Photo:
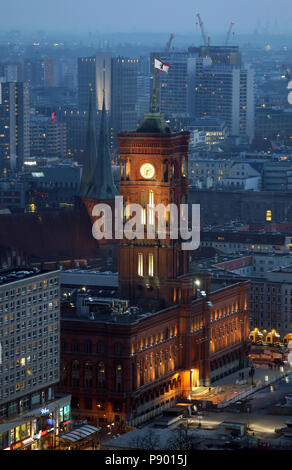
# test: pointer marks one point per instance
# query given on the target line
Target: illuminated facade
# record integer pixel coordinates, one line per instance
(94, 73)
(30, 351)
(227, 92)
(179, 331)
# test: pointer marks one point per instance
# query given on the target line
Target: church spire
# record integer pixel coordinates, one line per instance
(97, 179)
(103, 176)
(91, 151)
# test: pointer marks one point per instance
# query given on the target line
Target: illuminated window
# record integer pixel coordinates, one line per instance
(101, 375)
(269, 216)
(151, 207)
(150, 265)
(123, 168)
(143, 216)
(183, 167)
(140, 264)
(118, 378)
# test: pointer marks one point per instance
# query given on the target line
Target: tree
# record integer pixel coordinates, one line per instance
(148, 440)
(182, 440)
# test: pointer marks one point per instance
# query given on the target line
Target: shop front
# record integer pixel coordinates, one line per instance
(38, 429)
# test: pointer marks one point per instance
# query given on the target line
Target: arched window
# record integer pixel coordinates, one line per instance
(88, 347)
(165, 171)
(183, 167)
(172, 171)
(170, 364)
(75, 374)
(118, 349)
(151, 220)
(119, 378)
(151, 366)
(101, 375)
(156, 366)
(160, 364)
(100, 348)
(88, 374)
(140, 264)
(145, 370)
(128, 169)
(150, 265)
(123, 169)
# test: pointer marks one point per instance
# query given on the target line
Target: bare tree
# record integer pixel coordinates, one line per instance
(148, 440)
(182, 440)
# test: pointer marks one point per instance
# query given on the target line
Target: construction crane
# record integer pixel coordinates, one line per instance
(228, 33)
(202, 29)
(168, 44)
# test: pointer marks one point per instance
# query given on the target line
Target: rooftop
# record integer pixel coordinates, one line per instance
(153, 123)
(283, 269)
(11, 275)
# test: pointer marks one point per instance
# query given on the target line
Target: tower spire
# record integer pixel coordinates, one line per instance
(153, 121)
(103, 186)
(154, 100)
(91, 151)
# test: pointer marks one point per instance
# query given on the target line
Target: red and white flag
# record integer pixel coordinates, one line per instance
(158, 65)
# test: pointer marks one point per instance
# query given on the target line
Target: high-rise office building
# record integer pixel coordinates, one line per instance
(94, 73)
(86, 80)
(10, 72)
(124, 75)
(143, 86)
(226, 92)
(47, 137)
(29, 368)
(39, 72)
(220, 55)
(76, 122)
(207, 81)
(173, 87)
(14, 125)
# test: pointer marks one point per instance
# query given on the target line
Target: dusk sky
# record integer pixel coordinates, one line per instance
(150, 15)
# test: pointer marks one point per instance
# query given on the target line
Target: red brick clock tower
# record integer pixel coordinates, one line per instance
(154, 166)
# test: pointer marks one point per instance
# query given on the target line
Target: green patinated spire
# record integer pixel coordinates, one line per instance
(153, 121)
(154, 100)
(103, 172)
(102, 184)
(91, 151)
(97, 177)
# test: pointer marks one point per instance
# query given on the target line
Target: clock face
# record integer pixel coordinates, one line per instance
(147, 171)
